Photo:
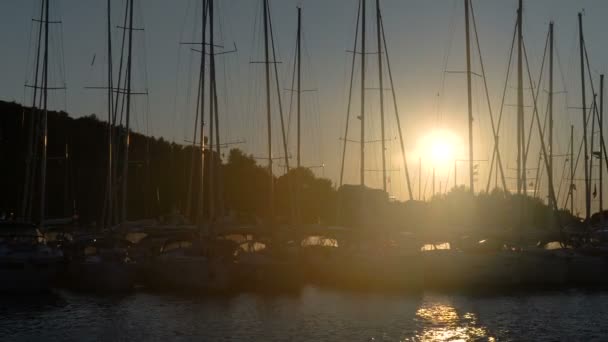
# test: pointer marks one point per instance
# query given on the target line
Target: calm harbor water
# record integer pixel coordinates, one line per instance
(310, 315)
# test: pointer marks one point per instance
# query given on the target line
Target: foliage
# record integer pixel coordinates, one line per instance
(164, 176)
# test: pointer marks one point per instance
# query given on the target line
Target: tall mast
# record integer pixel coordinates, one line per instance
(592, 142)
(521, 164)
(201, 213)
(584, 113)
(420, 178)
(350, 95)
(455, 174)
(550, 173)
(381, 85)
(125, 167)
(299, 90)
(571, 192)
(362, 117)
(397, 120)
(107, 214)
(268, 115)
(433, 195)
(212, 161)
(45, 83)
(601, 155)
(28, 184)
(469, 97)
(217, 165)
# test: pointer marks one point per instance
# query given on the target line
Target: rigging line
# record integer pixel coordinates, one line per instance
(445, 61)
(540, 77)
(293, 78)
(539, 170)
(63, 71)
(487, 92)
(388, 65)
(426, 182)
(312, 106)
(29, 50)
(589, 73)
(315, 106)
(502, 103)
(31, 146)
(595, 104)
(177, 73)
(293, 209)
(146, 110)
(350, 93)
(540, 133)
(276, 74)
(580, 148)
(561, 181)
(593, 116)
(561, 71)
(120, 69)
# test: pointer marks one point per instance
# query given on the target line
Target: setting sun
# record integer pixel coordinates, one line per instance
(441, 151)
(442, 146)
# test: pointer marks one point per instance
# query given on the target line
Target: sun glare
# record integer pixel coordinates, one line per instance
(441, 151)
(442, 147)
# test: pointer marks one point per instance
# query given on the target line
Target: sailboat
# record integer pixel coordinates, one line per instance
(184, 256)
(364, 257)
(27, 263)
(100, 261)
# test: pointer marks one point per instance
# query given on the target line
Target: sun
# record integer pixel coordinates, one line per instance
(440, 147)
(441, 151)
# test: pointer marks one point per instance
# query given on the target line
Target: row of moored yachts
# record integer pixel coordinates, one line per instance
(175, 256)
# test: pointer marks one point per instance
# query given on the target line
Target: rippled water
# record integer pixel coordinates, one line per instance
(311, 315)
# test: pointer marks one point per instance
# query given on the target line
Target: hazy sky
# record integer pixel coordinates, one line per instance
(422, 35)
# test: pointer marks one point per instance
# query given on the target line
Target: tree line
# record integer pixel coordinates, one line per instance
(165, 177)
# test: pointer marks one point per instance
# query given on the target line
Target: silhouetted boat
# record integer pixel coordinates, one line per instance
(99, 263)
(179, 260)
(27, 264)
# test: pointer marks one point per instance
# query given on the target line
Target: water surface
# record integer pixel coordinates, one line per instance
(310, 315)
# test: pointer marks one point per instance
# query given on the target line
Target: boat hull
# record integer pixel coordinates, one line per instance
(185, 274)
(101, 277)
(27, 277)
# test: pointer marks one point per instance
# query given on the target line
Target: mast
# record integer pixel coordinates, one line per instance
(197, 128)
(299, 90)
(455, 175)
(217, 165)
(201, 95)
(268, 115)
(584, 114)
(381, 85)
(592, 143)
(550, 173)
(350, 95)
(433, 183)
(521, 163)
(362, 117)
(116, 210)
(212, 161)
(420, 178)
(601, 155)
(469, 98)
(28, 184)
(107, 214)
(571, 193)
(45, 126)
(397, 120)
(125, 167)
